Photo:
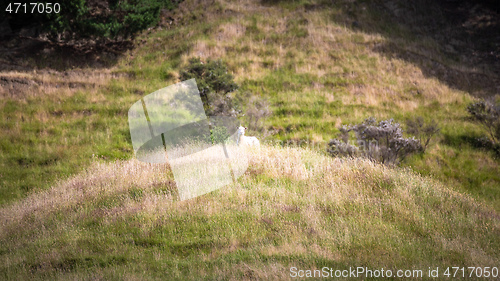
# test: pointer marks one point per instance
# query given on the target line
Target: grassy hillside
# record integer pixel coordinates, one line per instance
(74, 203)
(319, 64)
(293, 207)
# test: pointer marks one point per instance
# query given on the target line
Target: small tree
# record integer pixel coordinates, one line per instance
(424, 132)
(488, 115)
(382, 142)
(214, 83)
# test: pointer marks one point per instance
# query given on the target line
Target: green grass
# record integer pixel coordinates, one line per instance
(317, 73)
(302, 111)
(293, 207)
(50, 138)
(75, 127)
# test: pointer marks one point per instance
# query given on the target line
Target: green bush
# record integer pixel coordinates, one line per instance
(214, 83)
(219, 134)
(108, 18)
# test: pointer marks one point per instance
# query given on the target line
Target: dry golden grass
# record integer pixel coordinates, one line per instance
(291, 204)
(49, 84)
(328, 49)
(99, 180)
(314, 206)
(334, 180)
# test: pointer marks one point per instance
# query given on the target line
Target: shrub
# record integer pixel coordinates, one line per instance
(91, 19)
(219, 134)
(381, 142)
(424, 132)
(257, 108)
(488, 115)
(338, 148)
(214, 83)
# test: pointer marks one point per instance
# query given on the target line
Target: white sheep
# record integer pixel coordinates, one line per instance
(244, 140)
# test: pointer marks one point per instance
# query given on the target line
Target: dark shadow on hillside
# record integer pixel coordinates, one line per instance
(26, 53)
(466, 33)
(92, 33)
(475, 141)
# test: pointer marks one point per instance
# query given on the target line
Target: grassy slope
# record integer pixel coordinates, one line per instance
(317, 74)
(293, 207)
(316, 71)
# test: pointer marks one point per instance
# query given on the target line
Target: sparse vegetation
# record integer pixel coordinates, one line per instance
(488, 115)
(257, 110)
(382, 142)
(424, 132)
